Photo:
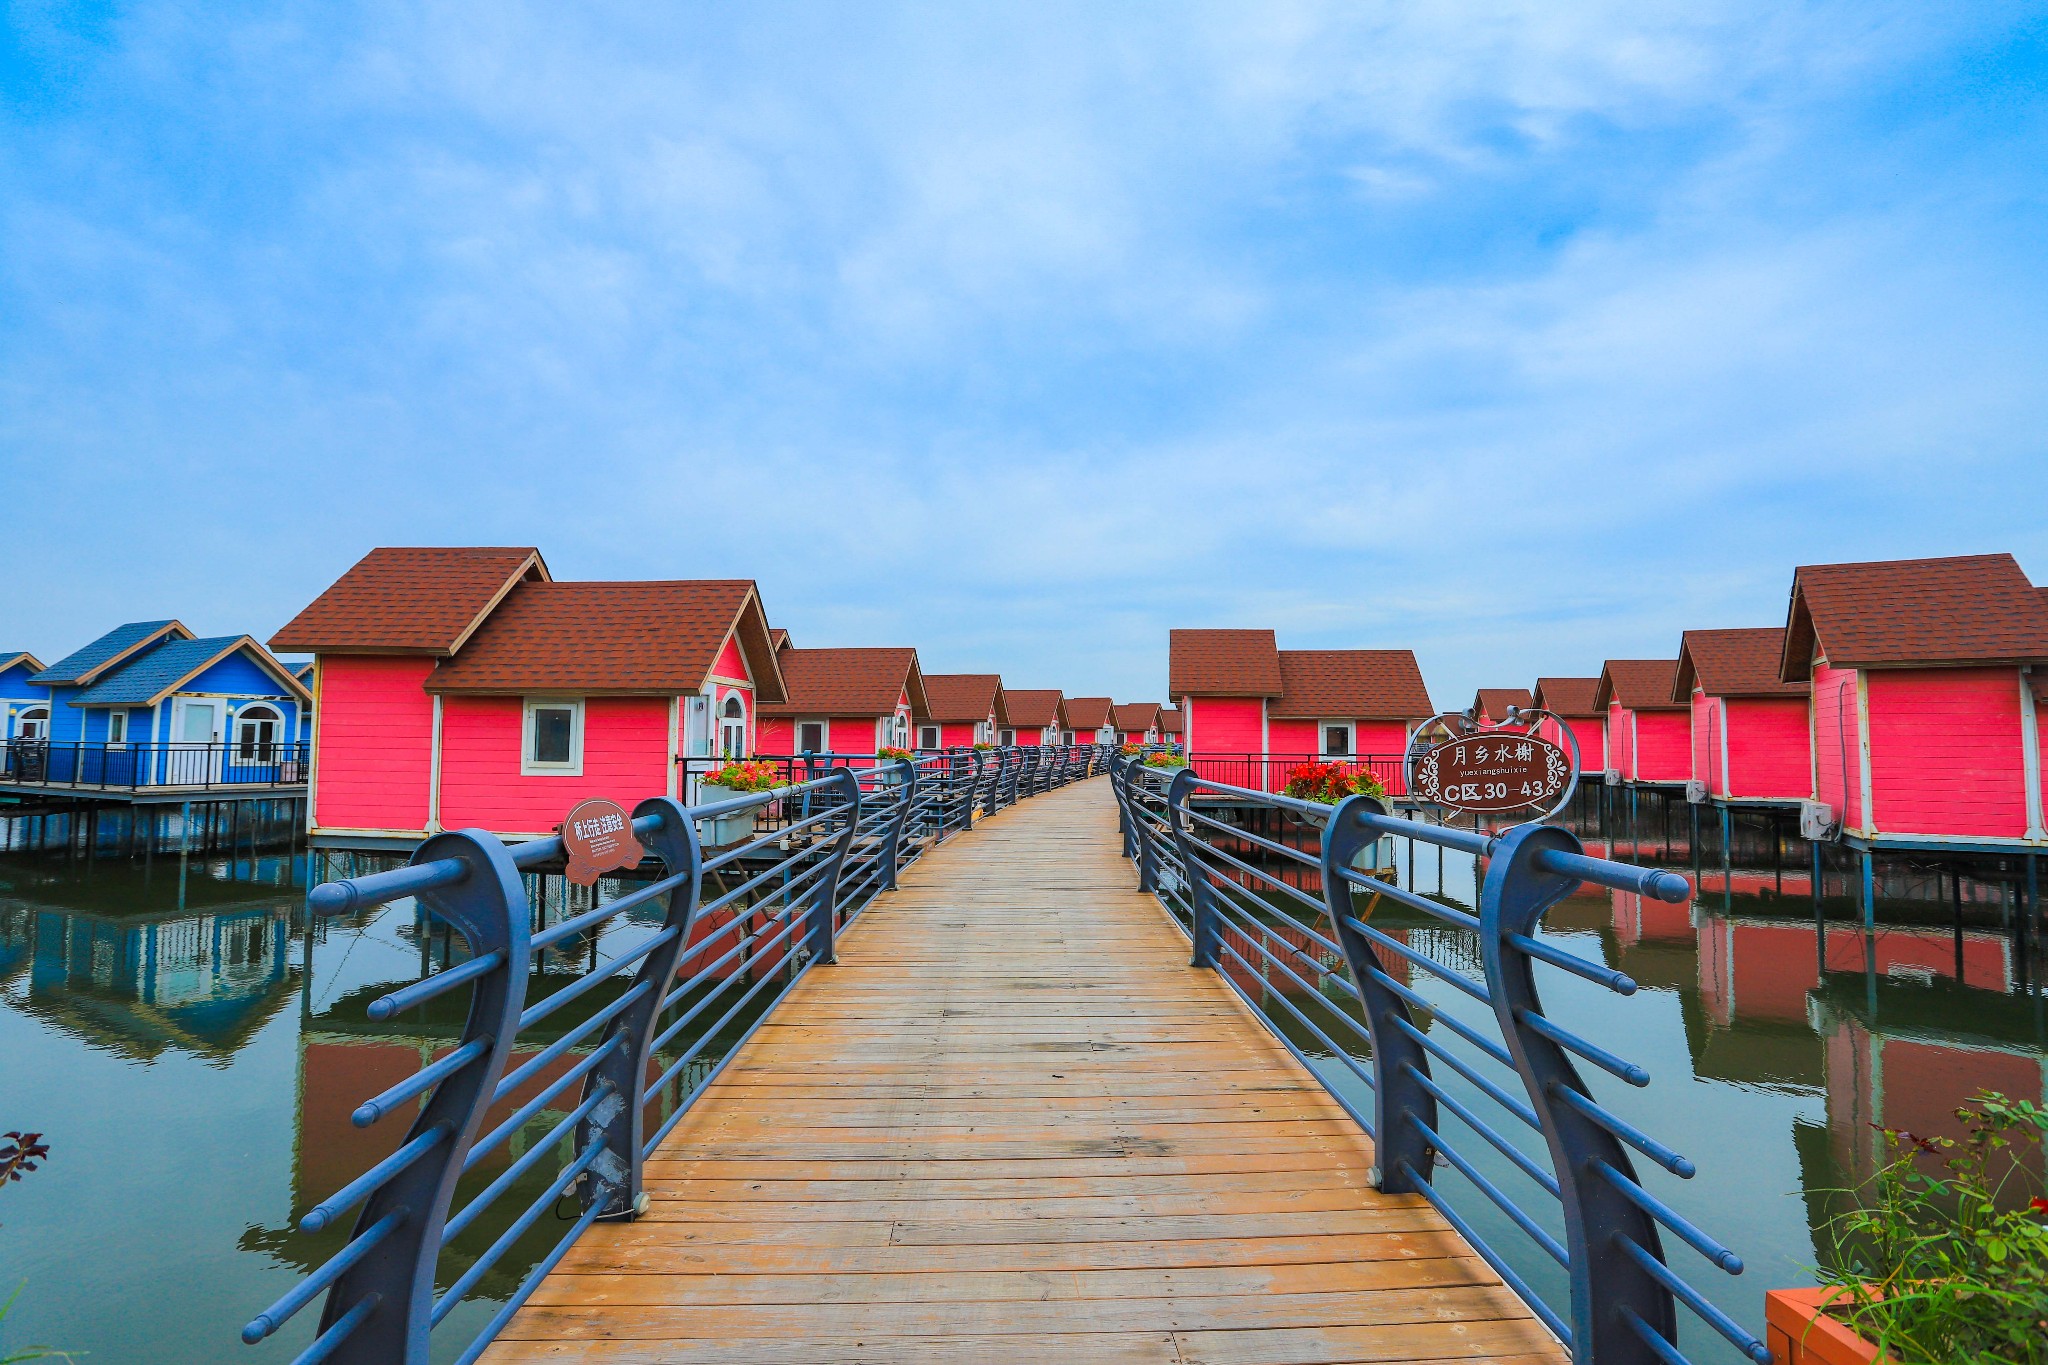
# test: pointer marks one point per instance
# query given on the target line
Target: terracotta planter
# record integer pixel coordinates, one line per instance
(1799, 1333)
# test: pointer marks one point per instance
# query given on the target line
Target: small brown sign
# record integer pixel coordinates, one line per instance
(1493, 771)
(597, 837)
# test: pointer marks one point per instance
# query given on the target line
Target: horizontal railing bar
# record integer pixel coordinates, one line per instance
(569, 928)
(1621, 983)
(376, 1107)
(1514, 1281)
(1447, 1019)
(528, 1159)
(419, 992)
(1514, 1211)
(490, 1141)
(1644, 881)
(1356, 1068)
(541, 1009)
(1365, 1124)
(345, 1198)
(1738, 1336)
(775, 836)
(1654, 1339)
(1620, 1067)
(746, 940)
(511, 1083)
(768, 944)
(690, 1054)
(483, 1263)
(780, 871)
(1688, 1232)
(1464, 1068)
(1449, 914)
(532, 1282)
(310, 1288)
(1304, 897)
(1635, 1137)
(1422, 960)
(326, 1343)
(1271, 845)
(1486, 1130)
(1357, 1026)
(381, 888)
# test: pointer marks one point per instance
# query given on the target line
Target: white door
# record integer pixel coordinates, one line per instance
(198, 732)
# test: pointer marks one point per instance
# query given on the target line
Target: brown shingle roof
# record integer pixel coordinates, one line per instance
(778, 639)
(1136, 716)
(410, 600)
(612, 637)
(1733, 663)
(1171, 721)
(847, 682)
(963, 697)
(1638, 684)
(1495, 701)
(1223, 663)
(1568, 696)
(1971, 609)
(1034, 708)
(1360, 684)
(1087, 714)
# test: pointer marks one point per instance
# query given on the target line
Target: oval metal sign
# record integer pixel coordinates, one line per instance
(597, 837)
(1491, 772)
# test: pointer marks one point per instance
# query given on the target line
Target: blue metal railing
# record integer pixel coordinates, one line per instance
(1268, 889)
(740, 924)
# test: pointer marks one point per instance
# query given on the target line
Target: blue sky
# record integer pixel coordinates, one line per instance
(1524, 335)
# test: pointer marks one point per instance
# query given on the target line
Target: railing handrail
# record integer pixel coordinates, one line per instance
(1624, 1294)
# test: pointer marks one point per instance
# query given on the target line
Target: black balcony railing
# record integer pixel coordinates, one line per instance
(130, 767)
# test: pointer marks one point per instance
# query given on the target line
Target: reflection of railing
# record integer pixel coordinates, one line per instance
(1269, 772)
(153, 764)
(1624, 1294)
(776, 903)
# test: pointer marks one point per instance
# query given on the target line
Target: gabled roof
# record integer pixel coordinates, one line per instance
(1495, 701)
(10, 657)
(599, 638)
(1035, 708)
(303, 672)
(1568, 696)
(149, 678)
(1171, 721)
(778, 639)
(412, 599)
(1733, 663)
(1352, 684)
(1088, 713)
(1223, 663)
(122, 642)
(847, 682)
(963, 697)
(1136, 716)
(1970, 609)
(1638, 684)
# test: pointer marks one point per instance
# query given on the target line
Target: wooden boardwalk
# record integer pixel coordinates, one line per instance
(1012, 1125)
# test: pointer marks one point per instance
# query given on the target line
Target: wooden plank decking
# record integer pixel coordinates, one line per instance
(1012, 1125)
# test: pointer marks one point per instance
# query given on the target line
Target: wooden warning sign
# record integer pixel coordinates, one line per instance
(1493, 771)
(597, 837)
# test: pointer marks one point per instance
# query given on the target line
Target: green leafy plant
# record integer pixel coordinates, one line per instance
(1165, 760)
(747, 775)
(984, 746)
(1951, 1264)
(890, 754)
(1330, 783)
(29, 1352)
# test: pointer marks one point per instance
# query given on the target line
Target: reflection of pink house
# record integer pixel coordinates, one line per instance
(1240, 694)
(1490, 705)
(1036, 716)
(1749, 737)
(1089, 720)
(1573, 699)
(466, 688)
(843, 701)
(1136, 722)
(1763, 969)
(961, 709)
(1648, 735)
(1926, 677)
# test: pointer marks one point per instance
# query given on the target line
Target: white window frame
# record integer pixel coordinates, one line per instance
(938, 734)
(529, 766)
(32, 715)
(1350, 729)
(275, 714)
(824, 734)
(1006, 738)
(119, 741)
(720, 720)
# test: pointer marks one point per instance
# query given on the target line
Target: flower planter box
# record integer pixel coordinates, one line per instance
(736, 828)
(1799, 1333)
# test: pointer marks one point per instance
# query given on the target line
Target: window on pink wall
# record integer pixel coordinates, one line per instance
(732, 727)
(810, 737)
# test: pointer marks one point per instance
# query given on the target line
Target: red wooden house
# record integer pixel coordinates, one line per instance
(1241, 694)
(843, 701)
(1088, 719)
(1037, 716)
(1749, 735)
(464, 687)
(1490, 705)
(1649, 736)
(1573, 699)
(1172, 726)
(1136, 722)
(1926, 676)
(961, 709)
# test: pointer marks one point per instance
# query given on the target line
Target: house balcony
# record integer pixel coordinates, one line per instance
(154, 772)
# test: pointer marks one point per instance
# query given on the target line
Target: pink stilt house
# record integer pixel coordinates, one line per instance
(1927, 676)
(1137, 722)
(1037, 716)
(1172, 727)
(1749, 731)
(961, 709)
(843, 701)
(1649, 736)
(1573, 699)
(1088, 720)
(464, 687)
(1490, 705)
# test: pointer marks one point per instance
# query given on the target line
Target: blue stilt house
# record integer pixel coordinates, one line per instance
(148, 704)
(24, 707)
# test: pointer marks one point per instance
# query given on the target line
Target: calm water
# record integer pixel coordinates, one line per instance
(191, 1053)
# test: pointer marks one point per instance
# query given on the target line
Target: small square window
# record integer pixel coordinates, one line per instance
(1337, 740)
(810, 737)
(1006, 738)
(554, 737)
(927, 736)
(117, 727)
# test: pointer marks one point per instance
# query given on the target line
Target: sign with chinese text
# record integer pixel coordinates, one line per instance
(1491, 772)
(597, 837)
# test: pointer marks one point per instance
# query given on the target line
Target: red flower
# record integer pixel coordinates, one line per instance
(2038, 1204)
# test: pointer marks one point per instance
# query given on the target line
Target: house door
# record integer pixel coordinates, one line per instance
(732, 728)
(198, 729)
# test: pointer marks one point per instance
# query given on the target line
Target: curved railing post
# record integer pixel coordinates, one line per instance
(820, 934)
(488, 908)
(1608, 1283)
(1117, 779)
(1148, 853)
(892, 837)
(1202, 929)
(619, 1124)
(1403, 1108)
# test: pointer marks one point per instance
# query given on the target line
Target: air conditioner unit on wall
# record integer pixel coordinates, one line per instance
(1817, 821)
(1695, 791)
